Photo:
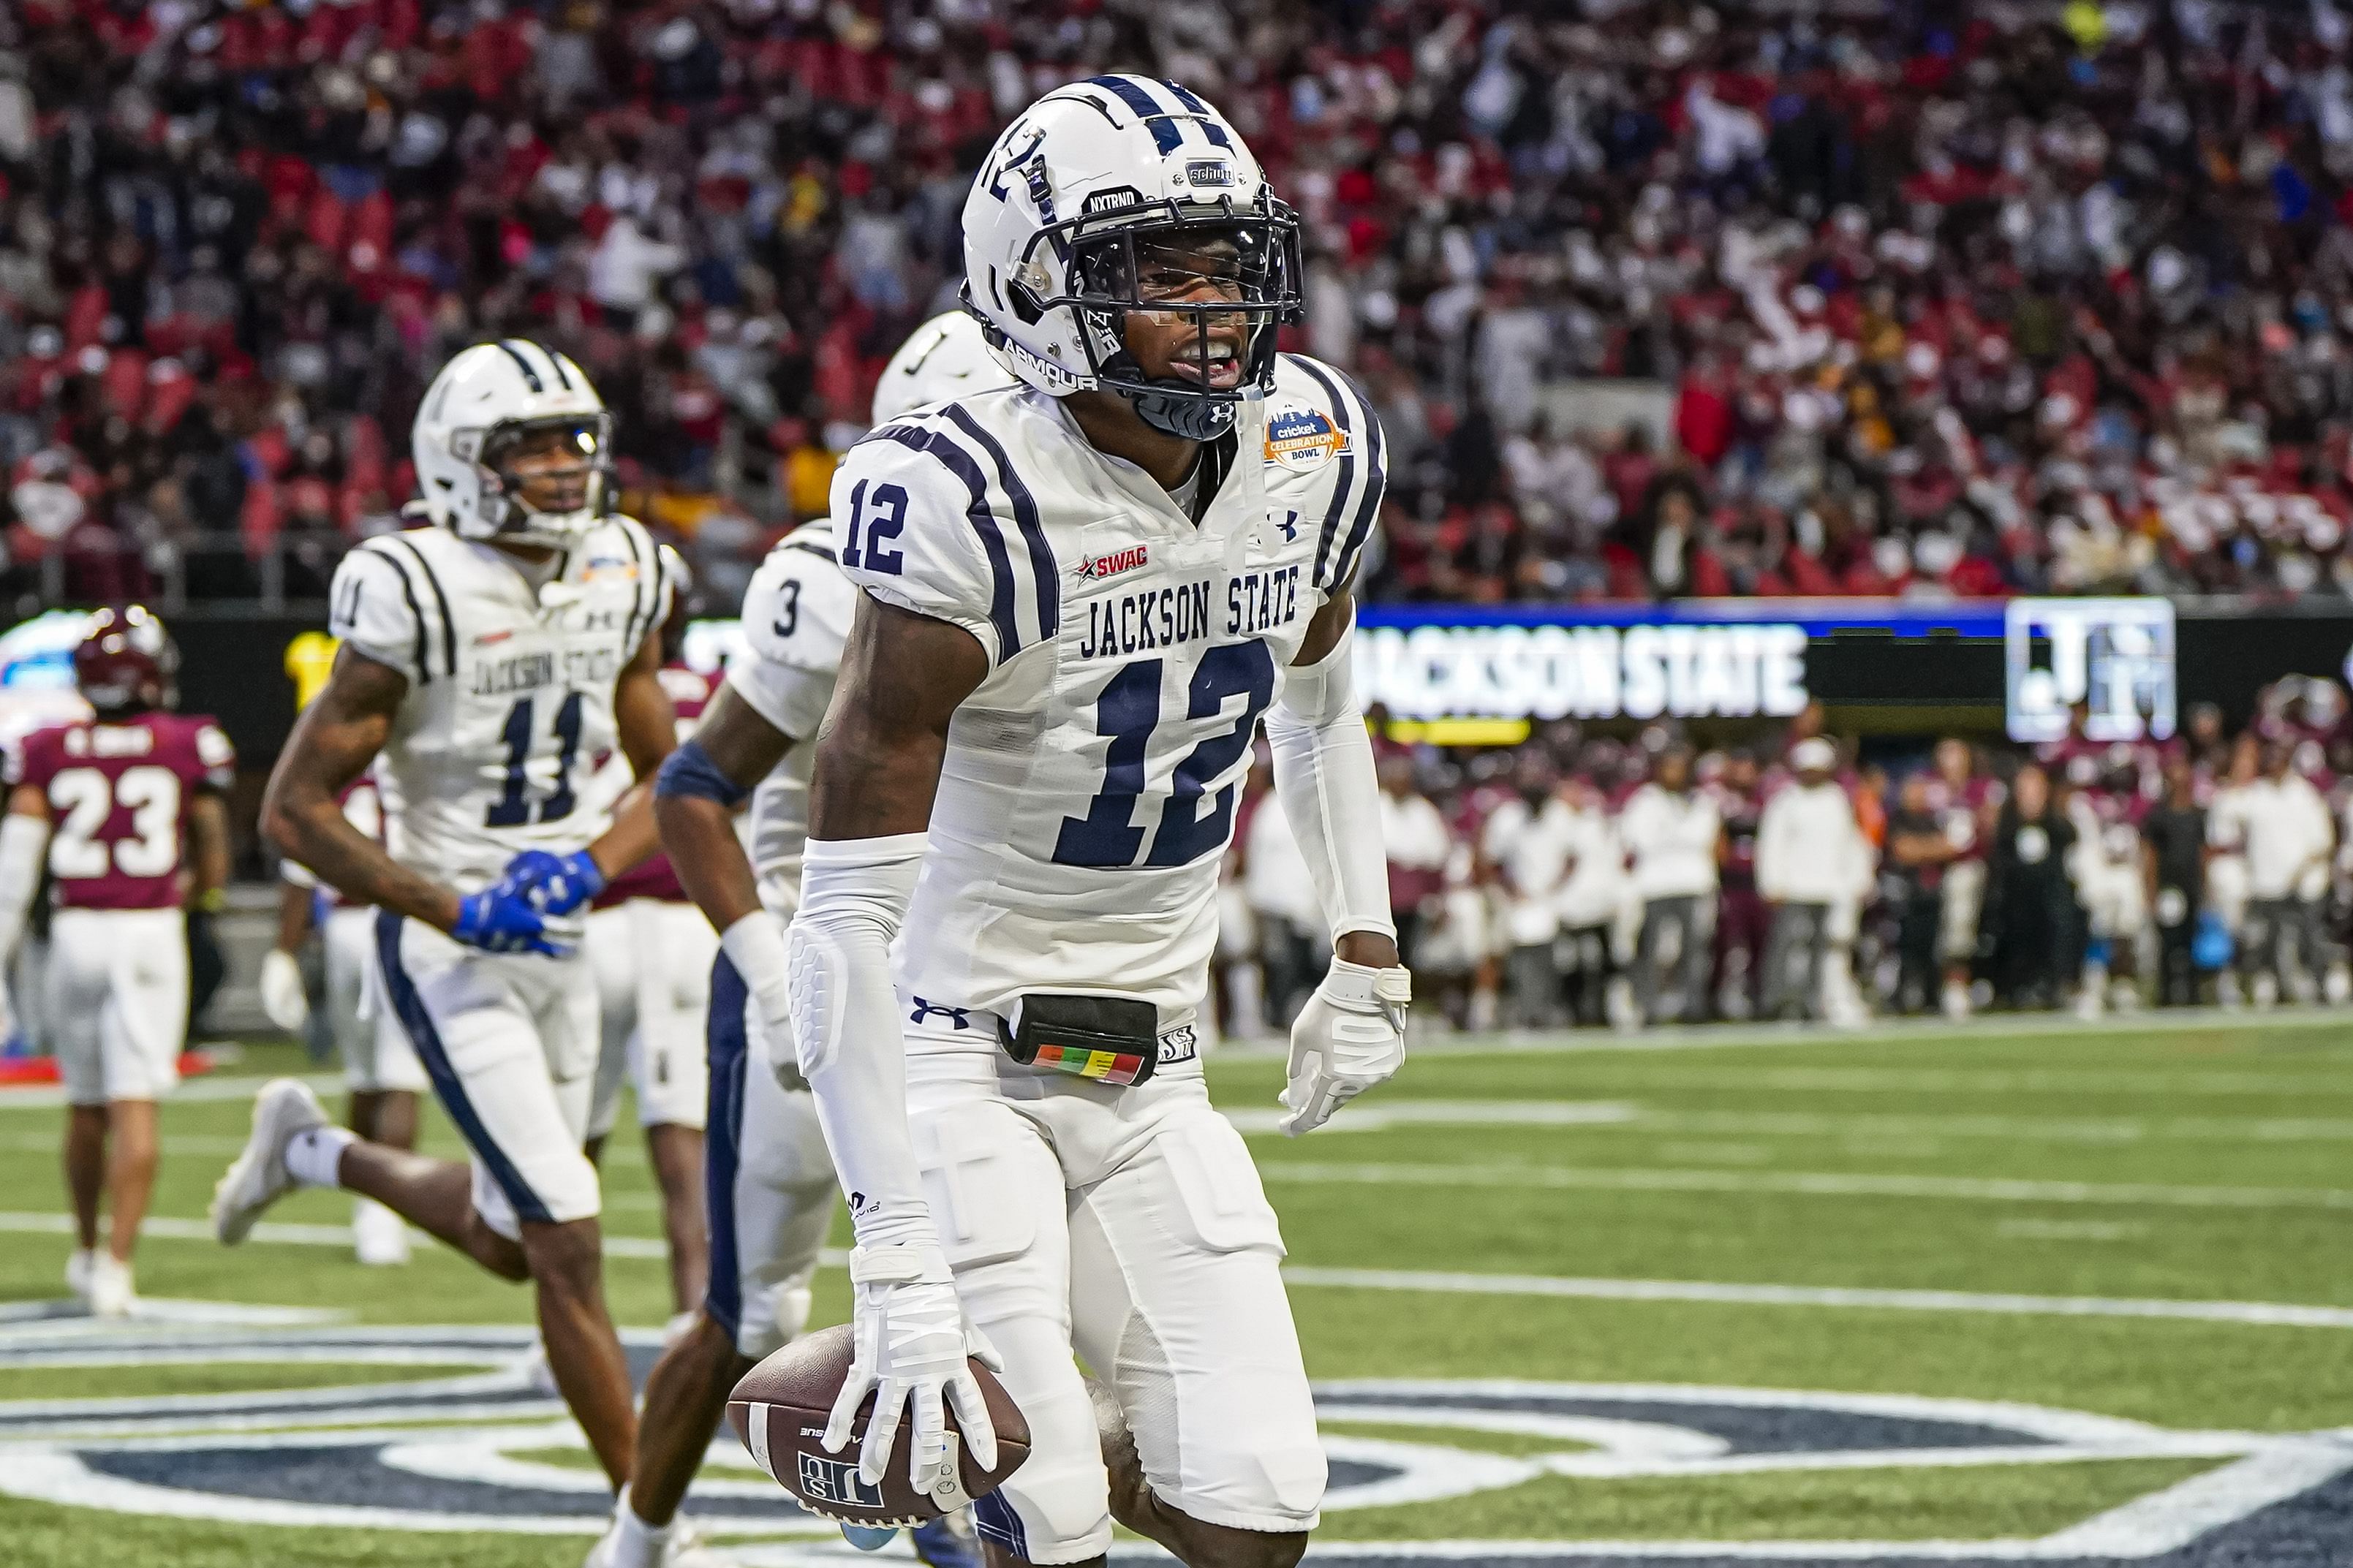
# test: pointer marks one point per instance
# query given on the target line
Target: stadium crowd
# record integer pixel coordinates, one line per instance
(1969, 298)
(1586, 880)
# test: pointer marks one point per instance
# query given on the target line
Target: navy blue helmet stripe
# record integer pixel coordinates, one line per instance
(1342, 485)
(959, 462)
(555, 363)
(530, 375)
(422, 1033)
(1208, 123)
(1164, 129)
(1049, 585)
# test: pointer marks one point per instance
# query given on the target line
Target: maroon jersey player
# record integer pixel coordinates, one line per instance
(123, 809)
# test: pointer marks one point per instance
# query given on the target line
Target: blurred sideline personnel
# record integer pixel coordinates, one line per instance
(487, 659)
(1671, 832)
(1079, 597)
(124, 808)
(1814, 868)
(381, 1072)
(770, 1187)
(651, 950)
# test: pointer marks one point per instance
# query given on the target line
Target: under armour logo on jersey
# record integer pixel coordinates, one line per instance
(1290, 526)
(958, 1018)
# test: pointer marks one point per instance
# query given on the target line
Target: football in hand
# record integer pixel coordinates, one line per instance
(779, 1410)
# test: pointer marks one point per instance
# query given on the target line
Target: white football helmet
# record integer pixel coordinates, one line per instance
(482, 405)
(947, 356)
(1090, 192)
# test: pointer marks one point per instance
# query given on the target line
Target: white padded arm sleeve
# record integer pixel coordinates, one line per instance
(1324, 775)
(24, 843)
(854, 895)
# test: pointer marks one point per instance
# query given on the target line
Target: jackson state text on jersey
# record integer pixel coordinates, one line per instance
(510, 688)
(118, 794)
(1088, 784)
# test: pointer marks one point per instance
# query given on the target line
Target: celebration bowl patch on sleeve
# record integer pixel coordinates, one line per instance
(1302, 439)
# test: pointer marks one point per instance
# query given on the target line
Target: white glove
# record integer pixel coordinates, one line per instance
(1349, 1036)
(912, 1339)
(283, 997)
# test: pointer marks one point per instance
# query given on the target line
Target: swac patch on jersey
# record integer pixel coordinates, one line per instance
(1302, 439)
(1111, 564)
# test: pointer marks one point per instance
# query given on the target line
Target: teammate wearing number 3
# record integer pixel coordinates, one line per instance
(1081, 596)
(487, 659)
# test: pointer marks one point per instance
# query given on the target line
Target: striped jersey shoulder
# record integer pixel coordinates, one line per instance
(394, 594)
(1325, 447)
(939, 512)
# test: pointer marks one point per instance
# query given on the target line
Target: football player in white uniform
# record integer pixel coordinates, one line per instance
(487, 659)
(769, 1187)
(1079, 596)
(381, 1071)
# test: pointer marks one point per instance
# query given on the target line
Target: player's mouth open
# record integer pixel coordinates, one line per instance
(1218, 366)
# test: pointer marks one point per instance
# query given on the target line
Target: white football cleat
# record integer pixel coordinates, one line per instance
(686, 1548)
(111, 1295)
(379, 1236)
(77, 1263)
(284, 1107)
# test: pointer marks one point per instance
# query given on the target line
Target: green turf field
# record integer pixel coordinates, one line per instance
(2144, 1232)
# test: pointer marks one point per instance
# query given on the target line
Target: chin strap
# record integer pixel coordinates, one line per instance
(1187, 418)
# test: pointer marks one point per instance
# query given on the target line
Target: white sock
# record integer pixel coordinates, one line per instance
(636, 1543)
(313, 1156)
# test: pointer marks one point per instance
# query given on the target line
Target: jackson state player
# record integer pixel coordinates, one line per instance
(1078, 597)
(125, 808)
(487, 659)
(771, 1191)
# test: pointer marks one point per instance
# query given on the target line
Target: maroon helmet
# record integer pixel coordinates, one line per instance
(126, 661)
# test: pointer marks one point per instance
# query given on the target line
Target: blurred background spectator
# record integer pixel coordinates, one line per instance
(1654, 299)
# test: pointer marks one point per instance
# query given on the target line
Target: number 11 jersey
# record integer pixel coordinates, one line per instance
(510, 696)
(1089, 782)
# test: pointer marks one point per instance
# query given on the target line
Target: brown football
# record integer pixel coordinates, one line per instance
(779, 1411)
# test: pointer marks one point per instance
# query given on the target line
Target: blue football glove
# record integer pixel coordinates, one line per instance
(555, 885)
(498, 920)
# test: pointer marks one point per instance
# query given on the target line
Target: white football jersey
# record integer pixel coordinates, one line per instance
(796, 613)
(509, 687)
(1089, 787)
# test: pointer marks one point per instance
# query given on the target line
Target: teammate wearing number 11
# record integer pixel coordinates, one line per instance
(1081, 596)
(489, 658)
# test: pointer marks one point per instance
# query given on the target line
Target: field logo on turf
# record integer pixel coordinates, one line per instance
(471, 1452)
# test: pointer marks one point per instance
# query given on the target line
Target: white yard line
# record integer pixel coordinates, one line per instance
(162, 1227)
(2263, 1315)
(1378, 1113)
(1883, 1031)
(1810, 1183)
(39, 1096)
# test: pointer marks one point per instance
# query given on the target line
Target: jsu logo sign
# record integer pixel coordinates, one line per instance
(2113, 656)
(837, 1481)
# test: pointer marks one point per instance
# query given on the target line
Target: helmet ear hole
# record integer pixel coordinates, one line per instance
(1023, 303)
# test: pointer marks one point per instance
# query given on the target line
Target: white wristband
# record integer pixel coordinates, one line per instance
(755, 946)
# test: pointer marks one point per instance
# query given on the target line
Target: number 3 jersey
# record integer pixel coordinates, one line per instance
(509, 687)
(119, 794)
(1090, 782)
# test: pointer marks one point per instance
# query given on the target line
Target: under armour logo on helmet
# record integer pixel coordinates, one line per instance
(959, 1018)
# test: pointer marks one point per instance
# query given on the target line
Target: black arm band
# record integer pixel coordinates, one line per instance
(689, 771)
